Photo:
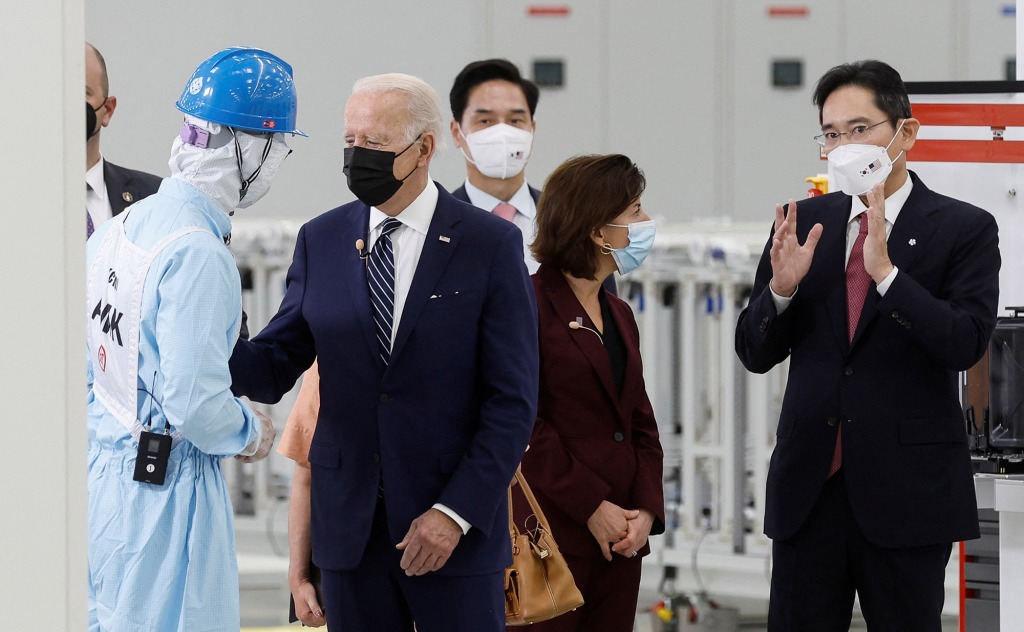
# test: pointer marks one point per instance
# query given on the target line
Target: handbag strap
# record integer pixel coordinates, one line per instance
(537, 512)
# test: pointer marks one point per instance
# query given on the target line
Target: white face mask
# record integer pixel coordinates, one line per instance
(499, 151)
(856, 168)
(215, 170)
(264, 172)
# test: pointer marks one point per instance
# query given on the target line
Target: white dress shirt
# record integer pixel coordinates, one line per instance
(893, 205)
(525, 218)
(407, 241)
(96, 202)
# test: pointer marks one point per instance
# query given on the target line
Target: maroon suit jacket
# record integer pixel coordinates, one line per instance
(589, 443)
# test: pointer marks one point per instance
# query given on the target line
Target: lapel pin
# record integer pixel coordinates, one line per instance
(912, 242)
(444, 238)
(126, 196)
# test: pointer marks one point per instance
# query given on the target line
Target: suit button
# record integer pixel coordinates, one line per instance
(383, 398)
(764, 324)
(848, 371)
(376, 457)
(895, 314)
(831, 421)
(618, 437)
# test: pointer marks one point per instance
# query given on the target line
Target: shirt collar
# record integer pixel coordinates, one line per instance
(522, 200)
(893, 204)
(94, 178)
(416, 216)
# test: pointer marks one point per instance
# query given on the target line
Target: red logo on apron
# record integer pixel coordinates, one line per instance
(101, 356)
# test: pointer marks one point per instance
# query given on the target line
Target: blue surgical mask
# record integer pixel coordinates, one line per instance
(641, 238)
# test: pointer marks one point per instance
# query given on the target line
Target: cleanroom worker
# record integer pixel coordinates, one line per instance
(164, 308)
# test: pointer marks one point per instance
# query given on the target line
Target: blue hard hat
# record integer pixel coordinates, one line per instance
(244, 88)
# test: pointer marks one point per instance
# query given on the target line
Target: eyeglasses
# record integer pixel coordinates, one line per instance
(830, 139)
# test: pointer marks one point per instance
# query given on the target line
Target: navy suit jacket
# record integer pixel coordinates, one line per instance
(127, 186)
(894, 389)
(591, 442)
(460, 193)
(447, 420)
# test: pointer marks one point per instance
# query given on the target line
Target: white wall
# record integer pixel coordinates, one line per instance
(681, 87)
(42, 367)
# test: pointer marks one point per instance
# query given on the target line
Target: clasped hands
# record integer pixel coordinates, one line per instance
(618, 530)
(791, 260)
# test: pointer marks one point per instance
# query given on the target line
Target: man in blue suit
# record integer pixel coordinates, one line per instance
(426, 335)
(878, 295)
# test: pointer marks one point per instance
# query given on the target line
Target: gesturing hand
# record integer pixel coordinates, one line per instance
(790, 260)
(876, 250)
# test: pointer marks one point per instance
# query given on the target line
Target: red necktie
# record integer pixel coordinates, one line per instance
(505, 211)
(857, 283)
(857, 278)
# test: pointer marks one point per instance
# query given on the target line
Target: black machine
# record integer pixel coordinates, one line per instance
(994, 400)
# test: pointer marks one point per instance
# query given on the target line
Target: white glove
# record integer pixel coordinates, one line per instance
(263, 442)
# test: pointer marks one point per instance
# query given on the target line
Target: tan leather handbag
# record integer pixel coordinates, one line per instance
(538, 585)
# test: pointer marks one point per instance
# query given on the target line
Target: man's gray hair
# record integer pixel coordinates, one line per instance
(424, 107)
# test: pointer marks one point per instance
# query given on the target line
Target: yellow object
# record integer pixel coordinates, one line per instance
(820, 183)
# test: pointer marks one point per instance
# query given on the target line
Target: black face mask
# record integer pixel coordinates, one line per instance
(371, 173)
(91, 129)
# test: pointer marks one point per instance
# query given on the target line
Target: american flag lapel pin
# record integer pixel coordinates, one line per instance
(446, 239)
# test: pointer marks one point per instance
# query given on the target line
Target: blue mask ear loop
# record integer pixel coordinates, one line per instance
(238, 156)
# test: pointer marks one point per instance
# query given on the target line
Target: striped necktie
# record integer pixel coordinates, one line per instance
(380, 274)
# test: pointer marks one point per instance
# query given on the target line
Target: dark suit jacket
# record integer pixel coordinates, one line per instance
(460, 193)
(589, 443)
(894, 390)
(127, 186)
(447, 420)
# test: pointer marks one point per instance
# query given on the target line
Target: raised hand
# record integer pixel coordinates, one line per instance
(876, 251)
(790, 259)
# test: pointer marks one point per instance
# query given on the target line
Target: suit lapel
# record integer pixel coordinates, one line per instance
(116, 187)
(832, 249)
(440, 245)
(352, 276)
(632, 386)
(909, 236)
(568, 309)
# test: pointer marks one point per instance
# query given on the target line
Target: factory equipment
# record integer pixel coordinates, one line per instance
(994, 400)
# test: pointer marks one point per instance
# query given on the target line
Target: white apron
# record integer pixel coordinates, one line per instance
(114, 302)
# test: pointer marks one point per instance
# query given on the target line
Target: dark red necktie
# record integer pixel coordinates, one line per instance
(858, 281)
